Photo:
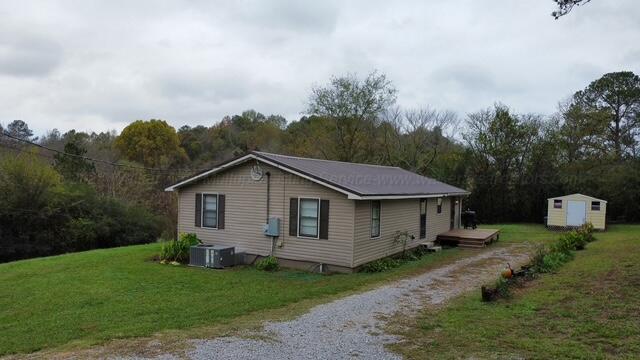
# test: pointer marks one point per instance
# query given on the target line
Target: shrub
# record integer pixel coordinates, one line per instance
(573, 240)
(412, 256)
(178, 250)
(381, 265)
(586, 231)
(502, 287)
(537, 260)
(420, 251)
(402, 238)
(499, 290)
(552, 261)
(566, 243)
(270, 263)
(190, 238)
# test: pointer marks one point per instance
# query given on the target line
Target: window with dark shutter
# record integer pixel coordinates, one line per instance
(324, 219)
(198, 209)
(293, 216)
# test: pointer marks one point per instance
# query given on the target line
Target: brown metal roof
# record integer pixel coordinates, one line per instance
(364, 179)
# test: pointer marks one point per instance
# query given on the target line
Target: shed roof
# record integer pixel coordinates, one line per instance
(358, 181)
(576, 194)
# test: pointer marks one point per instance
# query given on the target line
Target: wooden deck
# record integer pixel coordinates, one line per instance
(467, 238)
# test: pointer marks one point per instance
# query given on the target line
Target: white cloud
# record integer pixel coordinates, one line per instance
(99, 65)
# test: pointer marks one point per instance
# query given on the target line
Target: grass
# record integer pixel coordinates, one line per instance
(76, 300)
(523, 233)
(590, 308)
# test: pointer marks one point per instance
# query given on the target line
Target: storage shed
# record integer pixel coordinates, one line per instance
(575, 210)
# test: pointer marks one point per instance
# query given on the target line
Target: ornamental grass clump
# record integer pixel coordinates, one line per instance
(177, 251)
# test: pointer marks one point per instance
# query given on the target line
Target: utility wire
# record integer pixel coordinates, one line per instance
(52, 157)
(178, 171)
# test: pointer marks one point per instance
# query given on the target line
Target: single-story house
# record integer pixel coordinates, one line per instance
(575, 210)
(338, 214)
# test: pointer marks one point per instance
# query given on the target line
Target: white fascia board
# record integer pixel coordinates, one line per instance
(252, 156)
(212, 171)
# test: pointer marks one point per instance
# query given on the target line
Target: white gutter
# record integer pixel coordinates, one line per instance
(399, 197)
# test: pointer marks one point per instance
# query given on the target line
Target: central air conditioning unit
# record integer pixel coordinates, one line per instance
(212, 256)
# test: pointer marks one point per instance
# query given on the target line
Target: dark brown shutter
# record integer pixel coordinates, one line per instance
(423, 218)
(221, 211)
(198, 210)
(293, 217)
(324, 219)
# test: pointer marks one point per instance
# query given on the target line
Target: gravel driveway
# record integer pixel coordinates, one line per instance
(352, 327)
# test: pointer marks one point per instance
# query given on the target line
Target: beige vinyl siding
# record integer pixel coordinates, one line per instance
(245, 214)
(597, 218)
(395, 215)
(459, 208)
(558, 217)
(438, 223)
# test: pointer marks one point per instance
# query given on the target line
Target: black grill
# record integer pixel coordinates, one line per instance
(469, 219)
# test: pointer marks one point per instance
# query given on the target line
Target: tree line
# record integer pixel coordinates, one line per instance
(511, 162)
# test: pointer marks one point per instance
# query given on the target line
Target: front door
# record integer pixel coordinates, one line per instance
(576, 213)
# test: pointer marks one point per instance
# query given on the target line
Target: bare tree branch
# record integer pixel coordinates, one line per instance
(565, 7)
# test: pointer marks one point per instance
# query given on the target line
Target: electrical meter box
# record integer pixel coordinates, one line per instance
(272, 227)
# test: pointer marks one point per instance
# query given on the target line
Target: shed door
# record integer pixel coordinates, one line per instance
(576, 213)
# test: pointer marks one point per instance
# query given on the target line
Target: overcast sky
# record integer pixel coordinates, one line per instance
(93, 65)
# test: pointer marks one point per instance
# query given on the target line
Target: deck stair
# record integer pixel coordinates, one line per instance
(469, 239)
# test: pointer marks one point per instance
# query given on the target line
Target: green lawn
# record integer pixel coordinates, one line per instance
(522, 233)
(589, 309)
(80, 299)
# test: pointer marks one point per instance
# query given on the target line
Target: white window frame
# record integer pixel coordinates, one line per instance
(300, 215)
(558, 201)
(599, 205)
(217, 210)
(439, 206)
(426, 207)
(371, 219)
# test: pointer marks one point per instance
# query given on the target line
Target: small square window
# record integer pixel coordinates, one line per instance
(557, 204)
(595, 206)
